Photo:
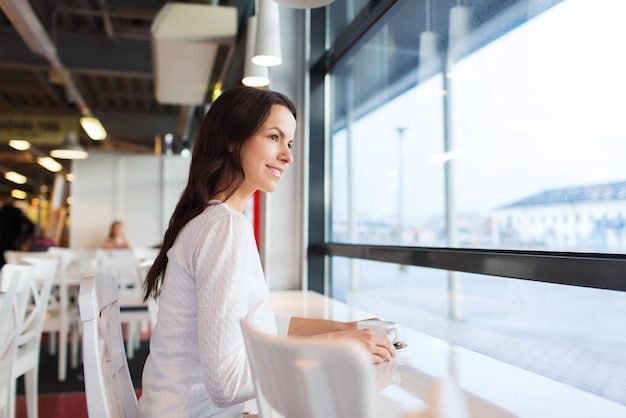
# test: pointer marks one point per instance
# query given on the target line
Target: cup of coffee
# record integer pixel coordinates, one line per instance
(388, 328)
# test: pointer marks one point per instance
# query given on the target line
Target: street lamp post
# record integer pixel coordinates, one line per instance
(400, 130)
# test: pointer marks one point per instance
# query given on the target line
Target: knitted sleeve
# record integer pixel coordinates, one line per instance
(228, 280)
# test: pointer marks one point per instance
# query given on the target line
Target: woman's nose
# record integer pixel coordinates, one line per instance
(285, 154)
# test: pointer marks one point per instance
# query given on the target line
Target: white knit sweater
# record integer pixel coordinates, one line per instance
(197, 365)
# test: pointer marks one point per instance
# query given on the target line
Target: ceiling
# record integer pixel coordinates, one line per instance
(106, 47)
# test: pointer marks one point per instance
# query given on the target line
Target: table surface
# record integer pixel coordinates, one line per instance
(431, 374)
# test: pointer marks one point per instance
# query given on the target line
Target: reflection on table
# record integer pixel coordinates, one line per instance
(433, 378)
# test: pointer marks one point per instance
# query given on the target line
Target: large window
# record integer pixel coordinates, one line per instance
(527, 124)
(483, 125)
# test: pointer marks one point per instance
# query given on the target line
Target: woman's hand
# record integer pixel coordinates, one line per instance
(377, 344)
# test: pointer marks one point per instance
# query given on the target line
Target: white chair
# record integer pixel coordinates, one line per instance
(122, 264)
(306, 377)
(108, 386)
(153, 305)
(16, 282)
(26, 359)
(145, 253)
(61, 316)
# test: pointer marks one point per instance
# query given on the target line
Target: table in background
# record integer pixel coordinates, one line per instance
(411, 383)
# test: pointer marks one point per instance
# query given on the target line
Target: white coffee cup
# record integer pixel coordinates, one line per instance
(389, 328)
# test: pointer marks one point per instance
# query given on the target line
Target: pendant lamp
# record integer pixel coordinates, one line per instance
(459, 28)
(93, 128)
(253, 75)
(70, 149)
(267, 50)
(429, 57)
(304, 4)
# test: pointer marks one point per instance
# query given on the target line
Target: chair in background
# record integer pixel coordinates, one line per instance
(26, 359)
(122, 264)
(16, 282)
(145, 253)
(305, 377)
(108, 386)
(61, 315)
(7, 342)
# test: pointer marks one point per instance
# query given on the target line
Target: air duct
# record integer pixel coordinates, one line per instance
(27, 24)
(188, 40)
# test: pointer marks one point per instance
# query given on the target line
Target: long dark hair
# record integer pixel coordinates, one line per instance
(215, 163)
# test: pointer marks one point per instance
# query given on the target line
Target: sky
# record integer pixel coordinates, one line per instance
(536, 109)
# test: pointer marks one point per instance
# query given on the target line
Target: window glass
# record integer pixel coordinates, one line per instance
(341, 14)
(568, 333)
(386, 188)
(536, 134)
(516, 147)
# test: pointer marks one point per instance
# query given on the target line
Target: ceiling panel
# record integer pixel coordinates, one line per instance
(106, 47)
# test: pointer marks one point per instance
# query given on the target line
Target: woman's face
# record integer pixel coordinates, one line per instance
(266, 155)
(117, 229)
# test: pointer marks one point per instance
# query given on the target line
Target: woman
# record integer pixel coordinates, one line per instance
(208, 274)
(117, 238)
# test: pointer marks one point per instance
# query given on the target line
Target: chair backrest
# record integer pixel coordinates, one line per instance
(44, 271)
(82, 260)
(23, 275)
(13, 256)
(145, 253)
(153, 306)
(307, 377)
(108, 386)
(64, 255)
(16, 286)
(121, 264)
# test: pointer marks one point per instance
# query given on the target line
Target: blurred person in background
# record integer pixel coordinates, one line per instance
(15, 227)
(117, 237)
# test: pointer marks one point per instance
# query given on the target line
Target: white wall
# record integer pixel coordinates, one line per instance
(140, 190)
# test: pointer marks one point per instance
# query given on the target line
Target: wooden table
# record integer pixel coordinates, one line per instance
(431, 374)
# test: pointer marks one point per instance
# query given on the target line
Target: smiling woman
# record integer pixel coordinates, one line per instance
(208, 274)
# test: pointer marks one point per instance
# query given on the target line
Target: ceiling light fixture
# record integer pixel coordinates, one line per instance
(458, 31)
(267, 48)
(19, 144)
(429, 58)
(49, 164)
(93, 128)
(15, 177)
(70, 149)
(253, 75)
(18, 194)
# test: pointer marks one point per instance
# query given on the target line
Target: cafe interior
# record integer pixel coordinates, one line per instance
(457, 172)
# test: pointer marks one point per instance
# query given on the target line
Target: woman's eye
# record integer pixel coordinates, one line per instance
(274, 137)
